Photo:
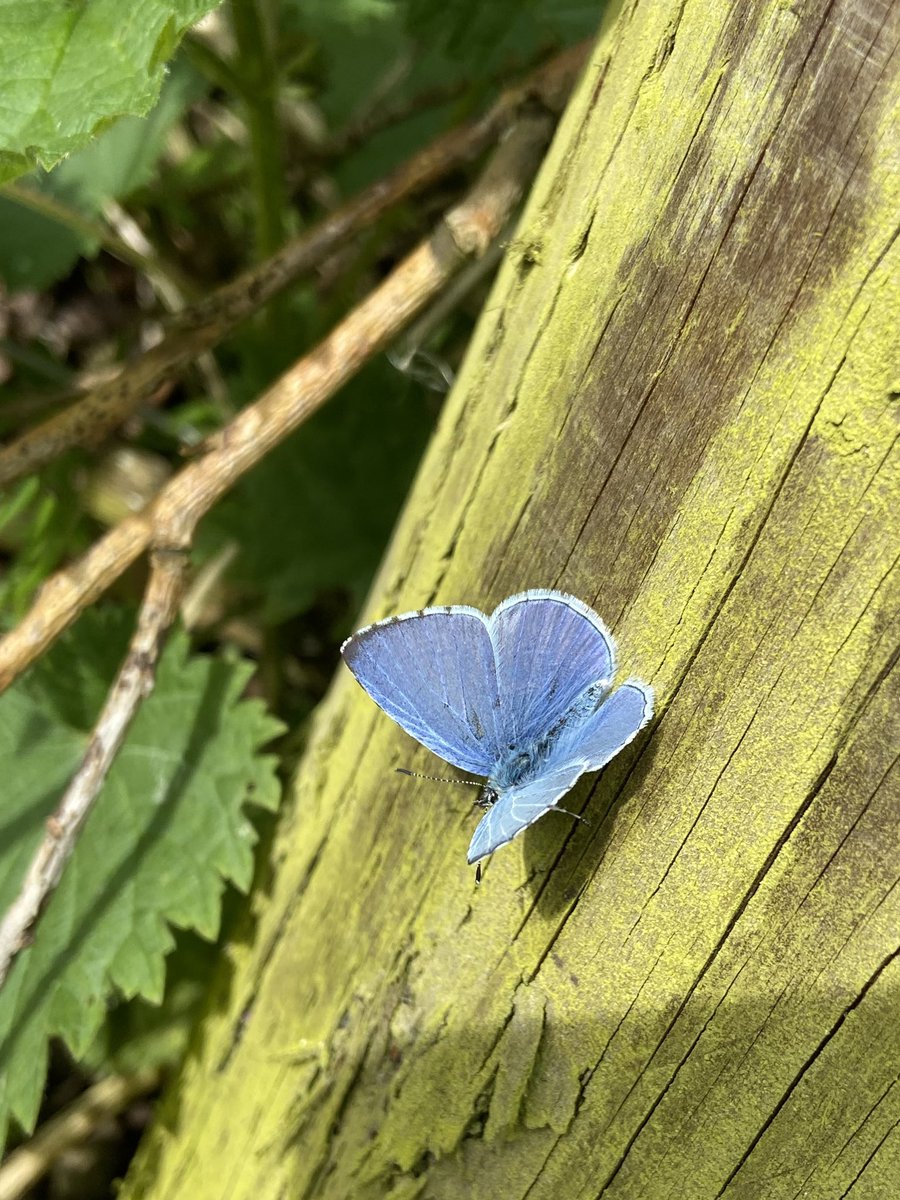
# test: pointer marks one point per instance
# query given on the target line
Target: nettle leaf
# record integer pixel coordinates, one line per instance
(167, 832)
(137, 1035)
(70, 67)
(35, 250)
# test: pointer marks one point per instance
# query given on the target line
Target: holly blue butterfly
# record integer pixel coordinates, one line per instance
(521, 696)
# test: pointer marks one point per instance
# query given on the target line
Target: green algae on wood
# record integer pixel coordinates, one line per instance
(680, 404)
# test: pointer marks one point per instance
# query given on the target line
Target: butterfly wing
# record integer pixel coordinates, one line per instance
(434, 673)
(549, 648)
(595, 738)
(586, 743)
(519, 807)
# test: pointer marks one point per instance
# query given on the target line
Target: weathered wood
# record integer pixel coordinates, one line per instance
(681, 404)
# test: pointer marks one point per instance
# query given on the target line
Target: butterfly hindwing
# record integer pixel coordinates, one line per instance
(586, 742)
(519, 807)
(597, 737)
(433, 672)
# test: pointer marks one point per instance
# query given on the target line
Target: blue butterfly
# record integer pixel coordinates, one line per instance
(521, 696)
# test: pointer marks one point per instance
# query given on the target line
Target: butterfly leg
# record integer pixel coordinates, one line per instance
(575, 816)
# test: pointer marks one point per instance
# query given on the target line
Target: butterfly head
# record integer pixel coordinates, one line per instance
(487, 797)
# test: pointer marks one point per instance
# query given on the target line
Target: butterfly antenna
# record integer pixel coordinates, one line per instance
(439, 778)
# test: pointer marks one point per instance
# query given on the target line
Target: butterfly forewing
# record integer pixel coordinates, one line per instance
(434, 673)
(549, 648)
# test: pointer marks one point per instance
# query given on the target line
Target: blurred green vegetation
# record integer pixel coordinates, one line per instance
(268, 116)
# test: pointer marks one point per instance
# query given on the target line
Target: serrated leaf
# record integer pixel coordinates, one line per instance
(70, 67)
(137, 1035)
(166, 833)
(35, 250)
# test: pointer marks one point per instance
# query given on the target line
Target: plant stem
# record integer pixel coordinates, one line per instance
(55, 210)
(73, 1126)
(256, 67)
(216, 69)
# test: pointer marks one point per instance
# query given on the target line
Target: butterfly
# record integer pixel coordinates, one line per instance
(521, 697)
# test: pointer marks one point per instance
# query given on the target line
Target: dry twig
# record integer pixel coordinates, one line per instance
(30, 1162)
(135, 680)
(201, 326)
(169, 523)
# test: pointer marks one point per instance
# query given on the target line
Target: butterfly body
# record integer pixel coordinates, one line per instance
(515, 766)
(520, 696)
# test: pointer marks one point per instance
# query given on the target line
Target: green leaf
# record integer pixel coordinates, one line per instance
(137, 1035)
(167, 832)
(417, 47)
(479, 32)
(35, 249)
(68, 68)
(124, 157)
(41, 524)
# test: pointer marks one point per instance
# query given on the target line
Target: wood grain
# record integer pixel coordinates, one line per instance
(681, 404)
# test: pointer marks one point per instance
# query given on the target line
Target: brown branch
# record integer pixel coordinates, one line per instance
(170, 521)
(204, 324)
(28, 1164)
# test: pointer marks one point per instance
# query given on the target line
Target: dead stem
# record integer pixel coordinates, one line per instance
(104, 407)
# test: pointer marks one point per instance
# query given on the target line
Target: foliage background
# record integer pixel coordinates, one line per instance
(211, 144)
